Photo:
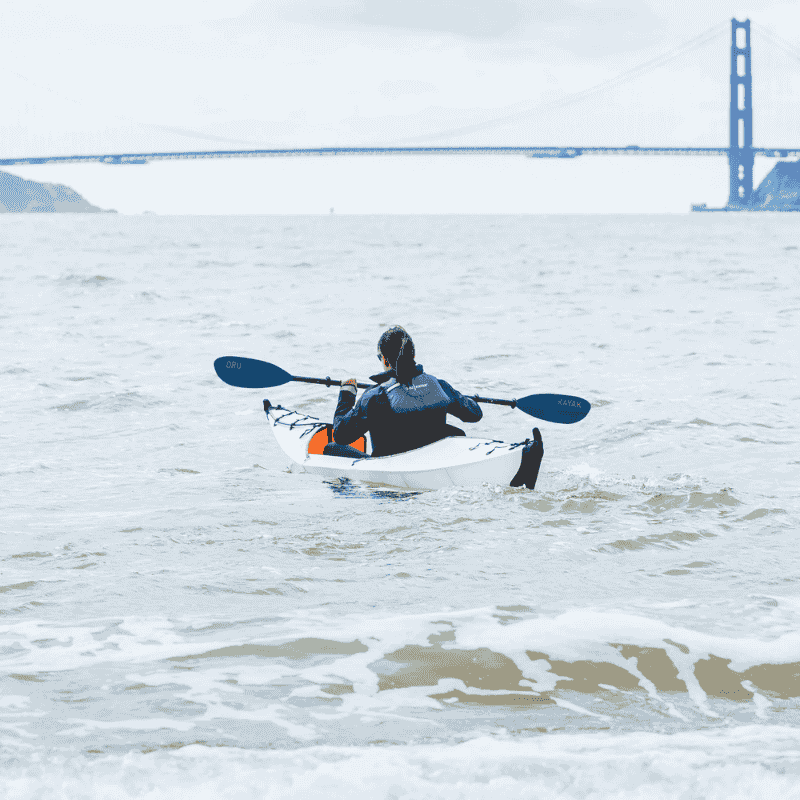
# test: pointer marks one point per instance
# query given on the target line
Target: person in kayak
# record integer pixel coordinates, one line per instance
(407, 408)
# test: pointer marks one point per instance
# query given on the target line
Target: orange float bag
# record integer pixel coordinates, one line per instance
(325, 436)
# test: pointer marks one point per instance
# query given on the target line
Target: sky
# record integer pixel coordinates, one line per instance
(153, 75)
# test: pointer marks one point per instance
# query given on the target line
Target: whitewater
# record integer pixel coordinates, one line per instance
(184, 615)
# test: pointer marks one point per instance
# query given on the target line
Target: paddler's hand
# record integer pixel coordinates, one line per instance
(350, 386)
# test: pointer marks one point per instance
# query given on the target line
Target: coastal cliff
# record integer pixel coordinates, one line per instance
(780, 190)
(18, 195)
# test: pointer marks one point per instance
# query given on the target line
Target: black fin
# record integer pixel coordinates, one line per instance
(532, 455)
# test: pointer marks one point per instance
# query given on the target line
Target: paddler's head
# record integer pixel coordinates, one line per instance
(396, 351)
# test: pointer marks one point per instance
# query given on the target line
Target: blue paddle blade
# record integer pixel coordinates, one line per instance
(250, 373)
(561, 408)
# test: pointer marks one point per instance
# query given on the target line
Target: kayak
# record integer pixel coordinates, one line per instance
(454, 461)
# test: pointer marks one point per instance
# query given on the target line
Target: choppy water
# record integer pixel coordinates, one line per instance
(182, 616)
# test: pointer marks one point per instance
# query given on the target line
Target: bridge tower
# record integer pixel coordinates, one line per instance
(740, 154)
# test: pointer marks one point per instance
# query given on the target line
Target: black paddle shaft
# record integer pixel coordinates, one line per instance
(495, 401)
(330, 382)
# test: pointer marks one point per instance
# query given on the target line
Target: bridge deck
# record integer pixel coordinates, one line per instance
(531, 152)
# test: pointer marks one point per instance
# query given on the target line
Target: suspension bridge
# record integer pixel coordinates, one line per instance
(740, 151)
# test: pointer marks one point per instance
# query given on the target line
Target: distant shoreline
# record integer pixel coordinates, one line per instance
(21, 196)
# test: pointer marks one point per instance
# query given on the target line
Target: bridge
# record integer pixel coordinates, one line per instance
(740, 151)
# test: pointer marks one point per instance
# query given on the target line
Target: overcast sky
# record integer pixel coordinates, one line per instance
(89, 76)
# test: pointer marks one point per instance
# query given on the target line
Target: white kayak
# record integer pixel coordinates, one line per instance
(455, 461)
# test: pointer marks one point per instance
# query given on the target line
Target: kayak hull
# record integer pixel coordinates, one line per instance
(455, 461)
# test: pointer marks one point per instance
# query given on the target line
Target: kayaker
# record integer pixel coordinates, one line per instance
(407, 408)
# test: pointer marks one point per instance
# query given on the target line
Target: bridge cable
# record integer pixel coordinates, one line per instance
(185, 132)
(779, 42)
(610, 83)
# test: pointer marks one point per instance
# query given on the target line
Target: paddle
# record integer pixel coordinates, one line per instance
(250, 373)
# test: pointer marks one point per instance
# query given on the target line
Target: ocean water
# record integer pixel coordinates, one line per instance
(182, 615)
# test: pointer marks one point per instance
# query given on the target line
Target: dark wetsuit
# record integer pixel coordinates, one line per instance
(401, 418)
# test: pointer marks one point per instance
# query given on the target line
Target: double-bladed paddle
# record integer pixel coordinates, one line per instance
(250, 373)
